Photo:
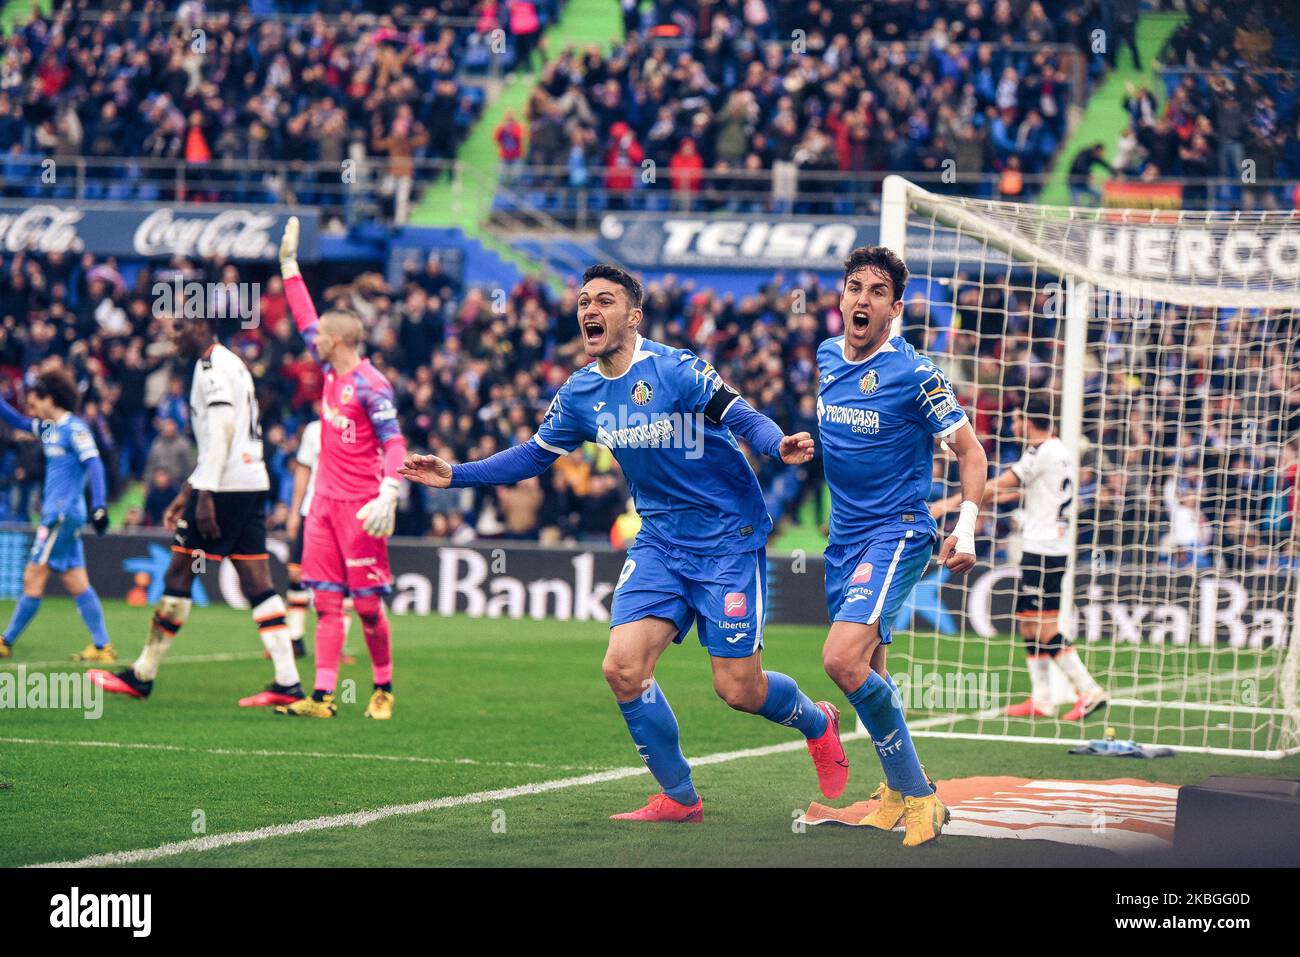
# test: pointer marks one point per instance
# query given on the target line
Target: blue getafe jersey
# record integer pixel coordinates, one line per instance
(877, 420)
(68, 446)
(691, 483)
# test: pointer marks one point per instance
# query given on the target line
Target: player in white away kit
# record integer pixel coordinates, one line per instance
(1043, 480)
(220, 513)
(297, 597)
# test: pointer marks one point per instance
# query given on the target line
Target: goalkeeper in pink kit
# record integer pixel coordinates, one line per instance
(354, 507)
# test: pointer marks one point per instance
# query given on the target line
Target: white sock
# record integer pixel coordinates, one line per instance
(167, 619)
(1074, 669)
(271, 625)
(299, 600)
(1040, 681)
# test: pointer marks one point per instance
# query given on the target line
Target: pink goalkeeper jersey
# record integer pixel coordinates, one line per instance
(361, 442)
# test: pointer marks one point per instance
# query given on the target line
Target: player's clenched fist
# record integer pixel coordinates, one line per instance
(953, 556)
(427, 470)
(797, 449)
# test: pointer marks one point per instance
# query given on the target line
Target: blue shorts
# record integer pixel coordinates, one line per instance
(58, 545)
(869, 581)
(722, 594)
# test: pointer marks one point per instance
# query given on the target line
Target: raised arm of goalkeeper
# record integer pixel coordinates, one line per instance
(295, 290)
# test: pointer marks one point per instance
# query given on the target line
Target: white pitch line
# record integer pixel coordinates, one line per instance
(172, 660)
(244, 752)
(362, 818)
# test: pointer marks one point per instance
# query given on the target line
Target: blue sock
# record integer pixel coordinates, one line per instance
(92, 613)
(878, 707)
(23, 613)
(653, 727)
(787, 705)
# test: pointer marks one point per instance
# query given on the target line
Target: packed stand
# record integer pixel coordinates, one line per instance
(1231, 111)
(766, 106)
(220, 104)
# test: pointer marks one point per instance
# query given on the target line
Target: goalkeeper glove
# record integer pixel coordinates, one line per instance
(99, 519)
(379, 515)
(289, 249)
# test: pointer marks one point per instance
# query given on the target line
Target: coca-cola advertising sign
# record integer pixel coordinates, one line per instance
(242, 234)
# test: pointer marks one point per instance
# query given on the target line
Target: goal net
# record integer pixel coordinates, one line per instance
(1166, 343)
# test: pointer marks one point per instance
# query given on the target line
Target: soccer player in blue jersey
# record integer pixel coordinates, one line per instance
(671, 422)
(880, 407)
(71, 458)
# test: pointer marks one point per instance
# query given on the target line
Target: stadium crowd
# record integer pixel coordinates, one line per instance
(1227, 99)
(218, 88)
(1191, 418)
(474, 371)
(729, 98)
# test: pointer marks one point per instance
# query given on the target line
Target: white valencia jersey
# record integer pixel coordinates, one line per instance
(1046, 478)
(309, 455)
(222, 380)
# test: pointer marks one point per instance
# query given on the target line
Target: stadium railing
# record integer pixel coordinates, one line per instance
(543, 196)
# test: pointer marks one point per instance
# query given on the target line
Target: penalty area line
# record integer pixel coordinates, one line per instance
(362, 818)
(261, 753)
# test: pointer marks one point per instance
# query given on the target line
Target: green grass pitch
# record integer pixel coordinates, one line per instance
(481, 706)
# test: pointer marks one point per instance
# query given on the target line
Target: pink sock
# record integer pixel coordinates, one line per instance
(374, 626)
(329, 638)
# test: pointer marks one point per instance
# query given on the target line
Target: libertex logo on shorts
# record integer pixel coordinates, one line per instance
(862, 574)
(734, 605)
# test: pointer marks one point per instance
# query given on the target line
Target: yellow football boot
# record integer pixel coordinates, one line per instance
(925, 818)
(6, 650)
(890, 812)
(309, 708)
(105, 655)
(381, 705)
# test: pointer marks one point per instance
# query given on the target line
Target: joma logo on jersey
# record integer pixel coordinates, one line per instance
(865, 421)
(642, 393)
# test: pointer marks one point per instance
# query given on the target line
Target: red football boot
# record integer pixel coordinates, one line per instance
(273, 695)
(1026, 709)
(828, 755)
(124, 682)
(661, 807)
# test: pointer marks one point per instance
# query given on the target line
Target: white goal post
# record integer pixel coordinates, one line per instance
(1168, 344)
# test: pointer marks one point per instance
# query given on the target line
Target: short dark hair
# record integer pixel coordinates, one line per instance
(616, 274)
(60, 387)
(882, 258)
(1038, 410)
